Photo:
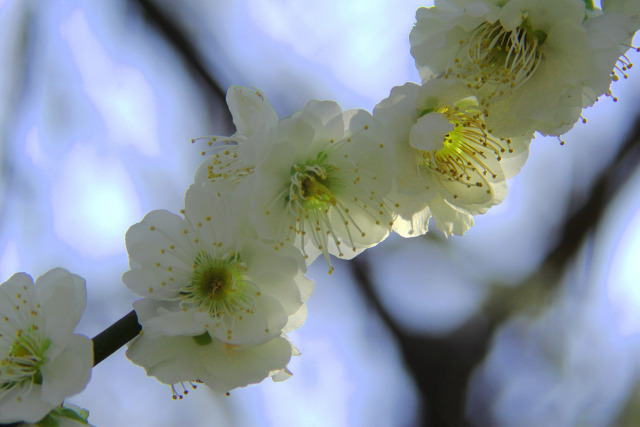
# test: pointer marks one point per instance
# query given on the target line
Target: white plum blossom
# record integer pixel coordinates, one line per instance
(448, 163)
(221, 366)
(225, 160)
(208, 280)
(320, 182)
(41, 360)
(204, 274)
(533, 64)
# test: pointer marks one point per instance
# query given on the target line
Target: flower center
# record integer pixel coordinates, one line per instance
(311, 186)
(470, 152)
(328, 201)
(500, 56)
(24, 359)
(219, 286)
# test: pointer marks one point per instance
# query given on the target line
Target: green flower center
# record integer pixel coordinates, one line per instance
(25, 357)
(216, 282)
(313, 186)
(469, 149)
(219, 285)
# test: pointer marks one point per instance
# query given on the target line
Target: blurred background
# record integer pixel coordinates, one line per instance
(530, 319)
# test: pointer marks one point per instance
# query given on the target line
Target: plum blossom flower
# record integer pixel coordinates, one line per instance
(448, 163)
(224, 158)
(215, 290)
(532, 64)
(205, 273)
(320, 182)
(41, 360)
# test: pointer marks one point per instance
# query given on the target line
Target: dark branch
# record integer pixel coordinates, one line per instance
(440, 366)
(171, 32)
(606, 187)
(115, 336)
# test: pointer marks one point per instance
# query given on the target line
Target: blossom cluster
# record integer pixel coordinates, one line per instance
(224, 282)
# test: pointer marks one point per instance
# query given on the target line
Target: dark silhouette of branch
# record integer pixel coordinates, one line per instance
(173, 34)
(440, 366)
(115, 336)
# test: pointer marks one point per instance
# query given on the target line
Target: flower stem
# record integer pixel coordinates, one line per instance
(115, 336)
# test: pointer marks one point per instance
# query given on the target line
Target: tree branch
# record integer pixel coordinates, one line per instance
(115, 336)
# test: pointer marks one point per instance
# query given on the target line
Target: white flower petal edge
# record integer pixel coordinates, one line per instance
(250, 109)
(41, 360)
(462, 175)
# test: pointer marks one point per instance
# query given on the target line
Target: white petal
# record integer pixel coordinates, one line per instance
(220, 366)
(428, 132)
(265, 323)
(149, 282)
(296, 320)
(68, 373)
(169, 359)
(281, 375)
(22, 406)
(278, 283)
(412, 216)
(9, 292)
(630, 8)
(326, 119)
(174, 321)
(250, 109)
(448, 219)
(63, 298)
(158, 230)
(238, 367)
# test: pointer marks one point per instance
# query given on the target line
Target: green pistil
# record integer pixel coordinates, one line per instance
(466, 149)
(214, 278)
(204, 339)
(541, 36)
(527, 30)
(315, 191)
(24, 360)
(425, 112)
(313, 184)
(218, 285)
